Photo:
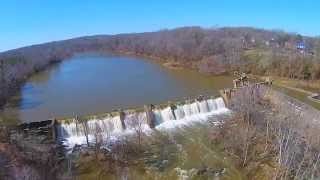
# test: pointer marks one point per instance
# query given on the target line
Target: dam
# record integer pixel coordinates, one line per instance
(113, 126)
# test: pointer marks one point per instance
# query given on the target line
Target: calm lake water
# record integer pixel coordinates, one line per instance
(94, 83)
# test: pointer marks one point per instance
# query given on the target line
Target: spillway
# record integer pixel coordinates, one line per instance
(113, 127)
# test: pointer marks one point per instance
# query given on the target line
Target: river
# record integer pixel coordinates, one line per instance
(95, 83)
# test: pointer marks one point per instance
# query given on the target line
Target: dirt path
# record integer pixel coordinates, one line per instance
(294, 88)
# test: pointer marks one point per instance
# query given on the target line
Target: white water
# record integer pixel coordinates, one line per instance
(167, 114)
(111, 128)
(179, 112)
(203, 105)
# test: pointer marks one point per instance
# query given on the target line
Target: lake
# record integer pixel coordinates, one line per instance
(96, 83)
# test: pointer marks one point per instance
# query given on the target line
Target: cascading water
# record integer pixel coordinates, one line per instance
(158, 117)
(220, 103)
(194, 108)
(167, 114)
(212, 104)
(116, 123)
(187, 110)
(203, 105)
(179, 112)
(112, 127)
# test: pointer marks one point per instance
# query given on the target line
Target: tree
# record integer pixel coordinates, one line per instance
(137, 122)
(84, 128)
(98, 139)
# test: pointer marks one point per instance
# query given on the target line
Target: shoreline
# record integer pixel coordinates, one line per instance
(166, 63)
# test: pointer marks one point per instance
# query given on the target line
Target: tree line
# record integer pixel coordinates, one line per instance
(214, 50)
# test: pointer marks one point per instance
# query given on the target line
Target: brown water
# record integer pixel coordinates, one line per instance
(95, 83)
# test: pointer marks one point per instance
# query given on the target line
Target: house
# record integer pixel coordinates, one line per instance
(300, 46)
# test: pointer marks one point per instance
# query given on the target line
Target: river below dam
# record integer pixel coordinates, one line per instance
(97, 83)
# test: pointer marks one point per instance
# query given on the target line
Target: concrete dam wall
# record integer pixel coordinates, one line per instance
(114, 125)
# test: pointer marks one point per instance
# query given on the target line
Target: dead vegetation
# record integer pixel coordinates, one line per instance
(274, 141)
(263, 140)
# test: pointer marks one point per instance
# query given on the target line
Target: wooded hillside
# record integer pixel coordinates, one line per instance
(214, 51)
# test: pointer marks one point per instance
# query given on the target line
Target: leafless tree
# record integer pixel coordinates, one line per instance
(98, 139)
(222, 49)
(298, 145)
(136, 122)
(84, 128)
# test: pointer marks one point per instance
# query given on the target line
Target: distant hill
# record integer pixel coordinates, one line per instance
(214, 51)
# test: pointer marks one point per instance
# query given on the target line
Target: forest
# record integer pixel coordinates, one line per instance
(208, 50)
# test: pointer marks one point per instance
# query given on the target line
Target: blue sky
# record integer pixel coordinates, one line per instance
(26, 22)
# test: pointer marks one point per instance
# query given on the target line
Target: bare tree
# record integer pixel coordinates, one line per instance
(84, 128)
(98, 139)
(137, 122)
(187, 46)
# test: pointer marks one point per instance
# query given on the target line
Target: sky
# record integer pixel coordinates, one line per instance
(27, 22)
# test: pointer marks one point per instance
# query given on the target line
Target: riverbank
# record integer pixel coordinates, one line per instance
(106, 78)
(16, 85)
(11, 89)
(261, 118)
(100, 108)
(30, 153)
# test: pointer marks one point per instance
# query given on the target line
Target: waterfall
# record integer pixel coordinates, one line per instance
(167, 114)
(179, 112)
(203, 107)
(212, 105)
(220, 103)
(116, 124)
(158, 117)
(112, 127)
(187, 110)
(194, 108)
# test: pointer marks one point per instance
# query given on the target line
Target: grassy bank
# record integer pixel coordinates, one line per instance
(305, 86)
(299, 89)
